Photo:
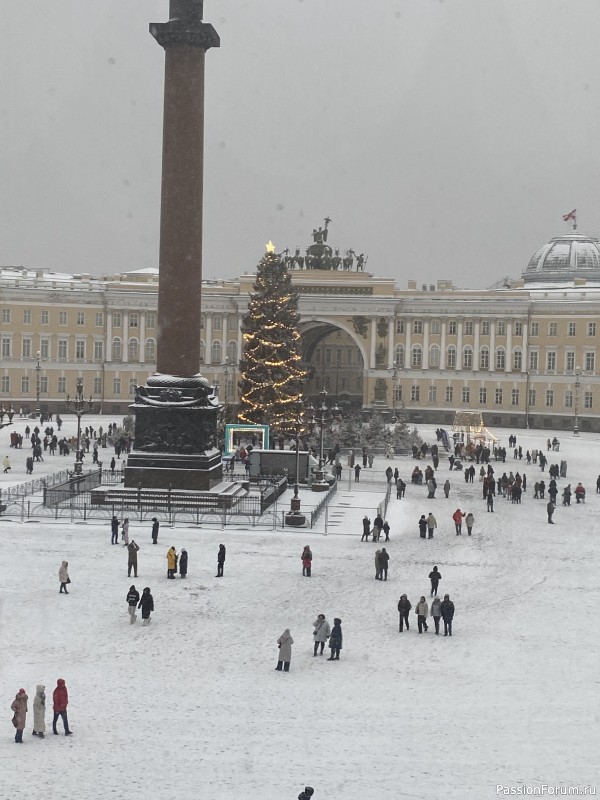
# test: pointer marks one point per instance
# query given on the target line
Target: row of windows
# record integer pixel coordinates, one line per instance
(63, 318)
(6, 349)
(416, 358)
(498, 396)
(338, 356)
(217, 322)
(435, 327)
(216, 352)
(29, 386)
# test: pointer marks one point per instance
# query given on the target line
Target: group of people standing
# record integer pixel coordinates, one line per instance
(19, 707)
(322, 634)
(440, 609)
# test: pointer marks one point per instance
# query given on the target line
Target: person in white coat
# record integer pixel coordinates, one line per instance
(321, 633)
(63, 577)
(39, 711)
(285, 643)
(421, 610)
(469, 520)
(125, 532)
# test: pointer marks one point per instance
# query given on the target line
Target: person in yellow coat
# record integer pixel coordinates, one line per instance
(171, 563)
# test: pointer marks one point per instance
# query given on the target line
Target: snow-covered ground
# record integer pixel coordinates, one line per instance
(192, 706)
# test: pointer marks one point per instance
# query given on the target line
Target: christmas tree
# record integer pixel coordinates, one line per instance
(272, 372)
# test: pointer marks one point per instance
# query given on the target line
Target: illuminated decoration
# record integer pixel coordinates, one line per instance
(270, 247)
(237, 435)
(272, 371)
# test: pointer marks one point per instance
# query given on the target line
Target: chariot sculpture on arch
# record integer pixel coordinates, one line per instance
(321, 256)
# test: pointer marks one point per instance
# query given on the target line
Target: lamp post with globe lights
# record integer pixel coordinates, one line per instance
(577, 387)
(326, 416)
(77, 406)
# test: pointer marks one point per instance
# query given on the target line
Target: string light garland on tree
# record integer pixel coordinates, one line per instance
(271, 367)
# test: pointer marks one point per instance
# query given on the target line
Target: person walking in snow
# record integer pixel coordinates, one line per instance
(284, 643)
(567, 495)
(19, 709)
(447, 488)
(171, 562)
(63, 577)
(114, 531)
(133, 598)
(447, 614)
(39, 711)
(132, 562)
(378, 565)
(422, 610)
(183, 562)
(386, 530)
(422, 527)
(147, 605)
(550, 509)
(357, 469)
(580, 493)
(490, 502)
(436, 613)
(431, 525)
(306, 559)
(366, 529)
(404, 606)
(335, 640)
(125, 532)
(458, 518)
(384, 560)
(6, 465)
(321, 633)
(155, 527)
(469, 520)
(221, 560)
(435, 577)
(60, 699)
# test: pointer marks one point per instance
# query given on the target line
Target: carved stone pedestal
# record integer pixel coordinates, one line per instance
(175, 435)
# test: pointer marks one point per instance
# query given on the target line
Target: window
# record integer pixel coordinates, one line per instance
(80, 318)
(568, 399)
(80, 349)
(6, 347)
(150, 319)
(133, 349)
(26, 348)
(6, 315)
(591, 329)
(434, 326)
(99, 319)
(398, 394)
(570, 360)
(202, 320)
(117, 349)
(518, 329)
(587, 400)
(485, 328)
(452, 328)
(338, 357)
(501, 327)
(417, 356)
(62, 350)
(150, 350)
(97, 386)
(327, 355)
(517, 360)
(399, 326)
(132, 385)
(451, 360)
(498, 397)
(217, 324)
(98, 350)
(232, 352)
(417, 326)
(551, 360)
(449, 394)
(43, 385)
(549, 398)
(45, 317)
(216, 349)
(532, 396)
(62, 385)
(533, 360)
(535, 328)
(571, 328)
(5, 383)
(483, 396)
(134, 320)
(552, 328)
(232, 324)
(27, 316)
(468, 329)
(25, 384)
(117, 319)
(466, 394)
(467, 358)
(590, 362)
(116, 385)
(434, 356)
(484, 358)
(432, 394)
(399, 360)
(514, 397)
(45, 348)
(62, 317)
(500, 358)
(415, 394)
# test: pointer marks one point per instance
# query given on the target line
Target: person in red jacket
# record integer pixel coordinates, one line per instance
(458, 518)
(61, 701)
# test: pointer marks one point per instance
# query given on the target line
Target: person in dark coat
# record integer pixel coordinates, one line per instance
(307, 793)
(386, 530)
(384, 558)
(60, 700)
(404, 606)
(490, 502)
(435, 577)
(423, 527)
(550, 509)
(306, 559)
(357, 469)
(183, 562)
(147, 605)
(366, 529)
(132, 551)
(114, 527)
(221, 560)
(133, 598)
(335, 640)
(155, 527)
(447, 614)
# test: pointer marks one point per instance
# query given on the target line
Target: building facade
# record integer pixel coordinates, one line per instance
(525, 354)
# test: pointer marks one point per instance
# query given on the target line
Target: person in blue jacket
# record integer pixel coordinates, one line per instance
(335, 640)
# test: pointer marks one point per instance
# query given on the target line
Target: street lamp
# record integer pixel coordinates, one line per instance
(577, 385)
(77, 406)
(326, 416)
(294, 516)
(38, 369)
(394, 385)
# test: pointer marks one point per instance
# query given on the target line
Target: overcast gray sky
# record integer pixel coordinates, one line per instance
(445, 138)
